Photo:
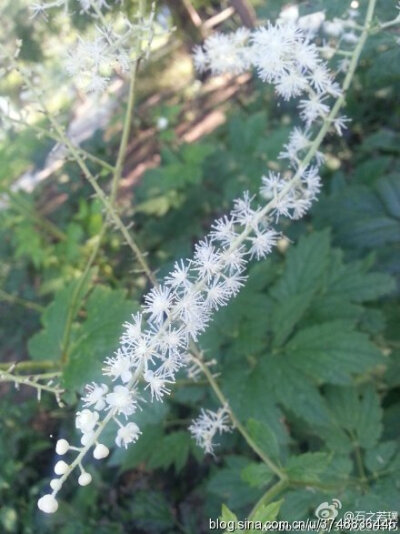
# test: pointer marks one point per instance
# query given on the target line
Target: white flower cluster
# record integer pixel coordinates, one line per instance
(115, 45)
(282, 55)
(155, 343)
(207, 425)
(92, 62)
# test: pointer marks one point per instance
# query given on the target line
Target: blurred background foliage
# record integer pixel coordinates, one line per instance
(308, 354)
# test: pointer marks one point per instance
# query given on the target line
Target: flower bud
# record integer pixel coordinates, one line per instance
(100, 451)
(48, 504)
(61, 467)
(85, 479)
(62, 446)
(55, 484)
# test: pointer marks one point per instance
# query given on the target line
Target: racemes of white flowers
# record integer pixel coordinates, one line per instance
(92, 61)
(155, 342)
(284, 56)
(111, 46)
(207, 425)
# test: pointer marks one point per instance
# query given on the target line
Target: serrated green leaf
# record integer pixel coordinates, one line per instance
(98, 336)
(305, 265)
(286, 314)
(267, 512)
(249, 393)
(294, 390)
(378, 458)
(352, 282)
(227, 515)
(264, 437)
(308, 466)
(151, 511)
(228, 484)
(299, 503)
(47, 344)
(257, 475)
(173, 449)
(358, 412)
(331, 352)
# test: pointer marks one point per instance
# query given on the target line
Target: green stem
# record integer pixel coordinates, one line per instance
(73, 307)
(48, 133)
(125, 132)
(359, 460)
(268, 496)
(385, 25)
(18, 300)
(74, 151)
(32, 365)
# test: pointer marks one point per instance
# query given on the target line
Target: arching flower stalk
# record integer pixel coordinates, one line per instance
(155, 343)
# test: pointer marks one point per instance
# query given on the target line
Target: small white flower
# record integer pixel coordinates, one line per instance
(179, 276)
(291, 84)
(122, 400)
(209, 423)
(86, 420)
(100, 451)
(262, 243)
(223, 230)
(48, 504)
(233, 283)
(95, 396)
(333, 28)
(87, 438)
(127, 434)
(162, 123)
(118, 367)
(350, 37)
(271, 185)
(157, 303)
(62, 447)
(298, 141)
(206, 259)
(61, 468)
(157, 385)
(133, 330)
(340, 124)
(223, 53)
(200, 59)
(55, 484)
(242, 211)
(217, 295)
(313, 108)
(321, 79)
(85, 479)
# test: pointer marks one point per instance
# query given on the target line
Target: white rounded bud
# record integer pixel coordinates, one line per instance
(48, 504)
(55, 484)
(61, 467)
(62, 446)
(85, 479)
(100, 451)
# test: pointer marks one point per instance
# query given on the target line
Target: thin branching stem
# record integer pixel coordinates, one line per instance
(29, 304)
